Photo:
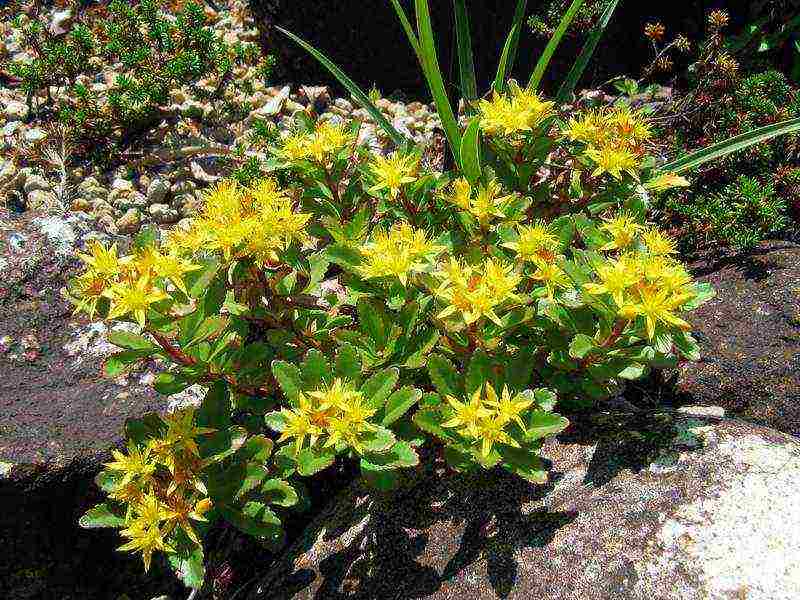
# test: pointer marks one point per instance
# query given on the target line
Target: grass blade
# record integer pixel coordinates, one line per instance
(519, 16)
(466, 62)
(729, 146)
(552, 45)
(575, 74)
(471, 151)
(357, 93)
(412, 38)
(433, 74)
(500, 79)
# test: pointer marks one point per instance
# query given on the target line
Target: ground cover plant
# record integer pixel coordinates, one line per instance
(356, 305)
(154, 50)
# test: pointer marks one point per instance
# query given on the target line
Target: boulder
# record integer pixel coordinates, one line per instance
(644, 506)
(749, 336)
(59, 417)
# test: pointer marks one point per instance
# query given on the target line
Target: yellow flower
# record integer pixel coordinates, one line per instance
(616, 277)
(655, 31)
(182, 430)
(145, 532)
(519, 111)
(320, 146)
(484, 202)
(537, 241)
(613, 161)
(104, 262)
(299, 425)
(467, 414)
(589, 128)
(656, 305)
(181, 512)
(134, 298)
(351, 423)
(658, 243)
(476, 292)
(296, 146)
(391, 173)
(492, 431)
(86, 291)
(507, 408)
(135, 466)
(551, 275)
(623, 229)
(399, 252)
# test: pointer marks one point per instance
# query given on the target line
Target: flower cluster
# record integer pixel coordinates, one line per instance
(471, 292)
(484, 202)
(391, 173)
(236, 222)
(613, 138)
(320, 146)
(160, 486)
(398, 252)
(485, 419)
(519, 111)
(330, 415)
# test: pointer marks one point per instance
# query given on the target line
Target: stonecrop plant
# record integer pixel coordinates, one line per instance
(356, 305)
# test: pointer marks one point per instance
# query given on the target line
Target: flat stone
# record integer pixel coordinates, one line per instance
(629, 513)
(15, 110)
(157, 191)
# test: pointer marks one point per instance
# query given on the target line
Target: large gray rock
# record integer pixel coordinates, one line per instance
(656, 507)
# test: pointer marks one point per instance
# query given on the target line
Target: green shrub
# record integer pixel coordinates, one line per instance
(740, 215)
(157, 51)
(354, 306)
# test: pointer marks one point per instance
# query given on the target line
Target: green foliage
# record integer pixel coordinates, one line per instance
(157, 51)
(742, 214)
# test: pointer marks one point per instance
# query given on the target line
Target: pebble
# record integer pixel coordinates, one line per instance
(163, 214)
(15, 111)
(129, 222)
(157, 191)
(35, 183)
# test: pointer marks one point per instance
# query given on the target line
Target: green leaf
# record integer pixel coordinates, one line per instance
(374, 321)
(377, 441)
(729, 146)
(632, 371)
(190, 565)
(479, 372)
(171, 383)
(215, 410)
(399, 456)
(520, 368)
(258, 448)
(428, 420)
(348, 363)
(542, 424)
(101, 516)
(523, 462)
(687, 345)
(412, 38)
(224, 443)
(343, 255)
(198, 281)
(430, 67)
(509, 54)
(279, 492)
(471, 151)
(581, 345)
(255, 519)
(466, 62)
(378, 387)
(275, 421)
(399, 403)
(313, 460)
(131, 341)
(108, 481)
(444, 376)
(118, 363)
(575, 74)
(360, 96)
(552, 45)
(383, 480)
(316, 370)
(289, 378)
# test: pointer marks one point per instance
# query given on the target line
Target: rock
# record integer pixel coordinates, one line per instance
(200, 174)
(163, 214)
(61, 21)
(11, 128)
(749, 336)
(15, 110)
(41, 200)
(344, 105)
(629, 513)
(122, 184)
(157, 191)
(35, 135)
(35, 182)
(129, 222)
